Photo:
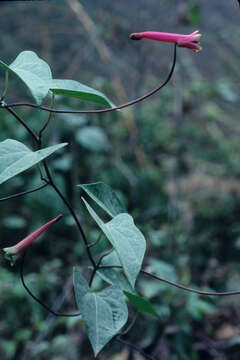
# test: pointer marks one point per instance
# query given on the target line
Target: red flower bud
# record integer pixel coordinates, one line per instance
(23, 244)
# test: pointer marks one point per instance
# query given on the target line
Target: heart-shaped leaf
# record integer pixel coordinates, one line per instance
(105, 197)
(33, 71)
(127, 240)
(77, 90)
(104, 313)
(15, 157)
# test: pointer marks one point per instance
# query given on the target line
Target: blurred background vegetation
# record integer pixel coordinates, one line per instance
(174, 160)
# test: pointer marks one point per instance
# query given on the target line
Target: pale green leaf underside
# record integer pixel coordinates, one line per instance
(126, 239)
(115, 277)
(105, 197)
(33, 71)
(111, 259)
(80, 285)
(77, 90)
(104, 313)
(37, 76)
(15, 157)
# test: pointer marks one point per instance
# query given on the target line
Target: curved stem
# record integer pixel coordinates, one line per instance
(210, 293)
(95, 242)
(130, 326)
(129, 103)
(48, 120)
(71, 210)
(23, 193)
(46, 307)
(50, 181)
(9, 109)
(98, 264)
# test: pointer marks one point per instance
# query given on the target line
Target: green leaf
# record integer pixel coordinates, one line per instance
(105, 197)
(77, 90)
(33, 71)
(81, 287)
(115, 277)
(143, 305)
(104, 313)
(92, 138)
(111, 260)
(126, 239)
(15, 157)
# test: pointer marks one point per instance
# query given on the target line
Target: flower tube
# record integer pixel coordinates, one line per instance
(23, 244)
(188, 41)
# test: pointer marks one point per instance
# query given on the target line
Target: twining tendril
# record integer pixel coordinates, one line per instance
(196, 291)
(100, 111)
(14, 196)
(46, 307)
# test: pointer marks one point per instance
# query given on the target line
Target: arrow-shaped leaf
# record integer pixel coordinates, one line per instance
(105, 197)
(15, 157)
(33, 71)
(127, 240)
(104, 313)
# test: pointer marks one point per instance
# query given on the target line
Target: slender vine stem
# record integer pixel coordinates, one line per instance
(71, 210)
(211, 293)
(95, 242)
(46, 307)
(200, 292)
(129, 103)
(14, 196)
(38, 140)
(24, 124)
(130, 326)
(49, 181)
(98, 264)
(48, 120)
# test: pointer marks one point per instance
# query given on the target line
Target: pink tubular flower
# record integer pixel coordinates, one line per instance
(189, 41)
(23, 244)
